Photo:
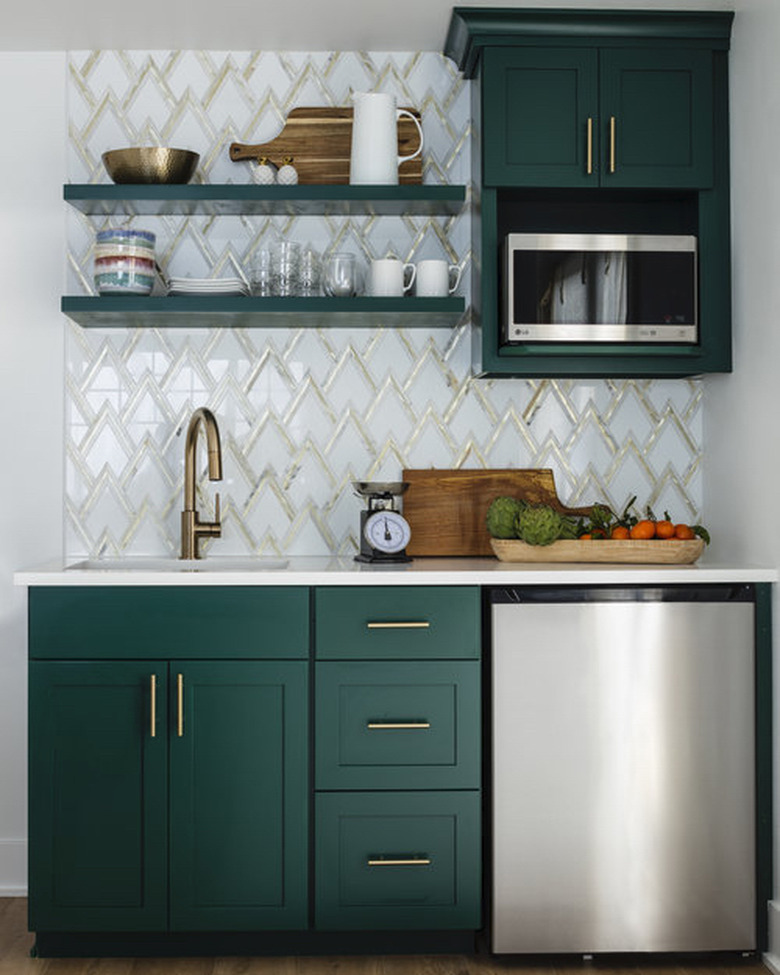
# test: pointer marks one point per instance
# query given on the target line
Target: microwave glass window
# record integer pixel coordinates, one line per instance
(604, 287)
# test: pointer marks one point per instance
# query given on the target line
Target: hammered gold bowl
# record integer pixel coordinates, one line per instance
(150, 164)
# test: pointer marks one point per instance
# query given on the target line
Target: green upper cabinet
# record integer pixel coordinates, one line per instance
(590, 122)
(583, 117)
(655, 122)
(539, 111)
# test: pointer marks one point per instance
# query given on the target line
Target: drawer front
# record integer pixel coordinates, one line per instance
(402, 861)
(168, 621)
(397, 622)
(404, 725)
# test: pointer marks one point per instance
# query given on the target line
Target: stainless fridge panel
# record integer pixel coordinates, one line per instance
(623, 777)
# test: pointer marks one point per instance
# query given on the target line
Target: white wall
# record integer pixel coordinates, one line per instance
(32, 245)
(742, 444)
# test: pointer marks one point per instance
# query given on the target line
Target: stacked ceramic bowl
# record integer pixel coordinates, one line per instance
(124, 261)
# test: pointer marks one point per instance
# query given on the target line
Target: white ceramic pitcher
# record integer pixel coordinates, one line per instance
(374, 151)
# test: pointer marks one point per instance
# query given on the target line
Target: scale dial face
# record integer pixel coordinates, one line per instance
(387, 531)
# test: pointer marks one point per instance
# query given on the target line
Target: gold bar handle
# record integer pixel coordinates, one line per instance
(180, 705)
(589, 169)
(422, 625)
(395, 725)
(153, 705)
(399, 861)
(612, 124)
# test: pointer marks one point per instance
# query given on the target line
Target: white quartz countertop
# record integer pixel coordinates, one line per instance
(324, 571)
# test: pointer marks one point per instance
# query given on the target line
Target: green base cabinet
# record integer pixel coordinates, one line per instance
(598, 121)
(174, 779)
(405, 860)
(98, 818)
(398, 843)
(166, 795)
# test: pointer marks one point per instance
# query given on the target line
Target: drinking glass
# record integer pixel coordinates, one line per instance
(340, 276)
(310, 273)
(288, 268)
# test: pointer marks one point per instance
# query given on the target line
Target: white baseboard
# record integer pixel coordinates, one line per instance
(13, 868)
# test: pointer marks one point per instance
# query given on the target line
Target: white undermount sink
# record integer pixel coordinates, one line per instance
(152, 564)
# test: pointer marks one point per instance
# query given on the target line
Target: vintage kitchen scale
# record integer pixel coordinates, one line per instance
(384, 532)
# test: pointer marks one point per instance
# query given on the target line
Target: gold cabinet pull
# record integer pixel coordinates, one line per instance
(420, 625)
(395, 725)
(612, 124)
(153, 705)
(421, 861)
(180, 705)
(590, 146)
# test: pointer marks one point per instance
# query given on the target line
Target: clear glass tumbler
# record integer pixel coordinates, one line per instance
(310, 273)
(288, 268)
(261, 274)
(340, 275)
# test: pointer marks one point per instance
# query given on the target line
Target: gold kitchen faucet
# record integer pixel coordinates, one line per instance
(192, 528)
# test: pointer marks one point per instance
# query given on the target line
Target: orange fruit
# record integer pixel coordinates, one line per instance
(664, 529)
(620, 531)
(643, 529)
(684, 531)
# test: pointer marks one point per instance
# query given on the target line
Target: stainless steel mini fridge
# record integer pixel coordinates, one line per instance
(623, 782)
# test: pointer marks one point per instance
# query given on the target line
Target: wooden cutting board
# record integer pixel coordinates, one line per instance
(320, 140)
(446, 508)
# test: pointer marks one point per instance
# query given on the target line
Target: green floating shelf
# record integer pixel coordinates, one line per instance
(211, 311)
(236, 199)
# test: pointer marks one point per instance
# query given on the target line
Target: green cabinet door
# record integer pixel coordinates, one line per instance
(629, 117)
(238, 795)
(540, 108)
(98, 796)
(656, 117)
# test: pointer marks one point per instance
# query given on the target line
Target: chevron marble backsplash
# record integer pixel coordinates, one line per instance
(304, 411)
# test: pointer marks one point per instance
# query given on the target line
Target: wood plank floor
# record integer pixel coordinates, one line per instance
(15, 944)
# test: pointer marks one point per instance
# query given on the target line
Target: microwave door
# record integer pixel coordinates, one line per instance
(610, 288)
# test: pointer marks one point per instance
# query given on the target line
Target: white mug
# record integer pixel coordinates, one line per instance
(434, 279)
(388, 278)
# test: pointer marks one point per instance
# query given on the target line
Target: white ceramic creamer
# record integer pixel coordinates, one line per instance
(374, 155)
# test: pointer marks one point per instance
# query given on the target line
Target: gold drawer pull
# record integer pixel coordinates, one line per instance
(180, 705)
(153, 705)
(421, 861)
(394, 725)
(612, 124)
(422, 625)
(589, 169)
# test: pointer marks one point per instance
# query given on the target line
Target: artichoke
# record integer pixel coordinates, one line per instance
(538, 524)
(501, 516)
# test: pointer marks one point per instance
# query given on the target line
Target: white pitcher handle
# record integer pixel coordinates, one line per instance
(399, 113)
(412, 275)
(457, 269)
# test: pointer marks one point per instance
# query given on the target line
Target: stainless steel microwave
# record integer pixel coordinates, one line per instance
(600, 288)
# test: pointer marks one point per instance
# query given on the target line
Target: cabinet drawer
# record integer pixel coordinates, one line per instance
(168, 621)
(404, 861)
(397, 622)
(398, 725)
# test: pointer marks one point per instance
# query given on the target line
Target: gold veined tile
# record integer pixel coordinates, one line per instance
(304, 412)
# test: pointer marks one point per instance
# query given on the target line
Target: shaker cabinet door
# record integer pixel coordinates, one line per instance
(98, 796)
(656, 118)
(540, 110)
(238, 795)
